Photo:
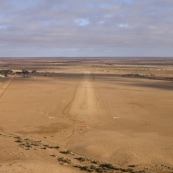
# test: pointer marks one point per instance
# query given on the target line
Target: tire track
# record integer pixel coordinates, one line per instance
(5, 86)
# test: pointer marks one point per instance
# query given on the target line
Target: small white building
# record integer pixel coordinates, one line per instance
(2, 75)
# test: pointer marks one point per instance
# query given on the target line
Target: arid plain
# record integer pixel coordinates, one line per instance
(97, 115)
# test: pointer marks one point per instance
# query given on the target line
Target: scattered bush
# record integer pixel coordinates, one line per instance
(19, 140)
(62, 159)
(131, 166)
(107, 165)
(6, 72)
(66, 152)
(83, 159)
(56, 147)
(95, 162)
(90, 168)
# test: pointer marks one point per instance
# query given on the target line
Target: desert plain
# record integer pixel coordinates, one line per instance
(70, 115)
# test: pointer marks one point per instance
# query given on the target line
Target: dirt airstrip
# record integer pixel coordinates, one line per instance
(76, 115)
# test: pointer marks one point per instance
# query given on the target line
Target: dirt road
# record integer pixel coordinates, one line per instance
(85, 106)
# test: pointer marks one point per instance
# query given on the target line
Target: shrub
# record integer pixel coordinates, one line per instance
(62, 159)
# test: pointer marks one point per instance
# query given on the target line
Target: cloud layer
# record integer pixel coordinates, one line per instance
(86, 28)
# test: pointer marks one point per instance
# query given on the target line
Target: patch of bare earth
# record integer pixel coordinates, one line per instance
(74, 115)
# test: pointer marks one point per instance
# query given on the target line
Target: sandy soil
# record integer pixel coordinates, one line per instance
(86, 107)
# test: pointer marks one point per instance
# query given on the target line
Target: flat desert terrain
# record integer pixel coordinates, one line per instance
(86, 115)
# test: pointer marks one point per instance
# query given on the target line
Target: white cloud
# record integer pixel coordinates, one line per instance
(81, 25)
(123, 25)
(82, 22)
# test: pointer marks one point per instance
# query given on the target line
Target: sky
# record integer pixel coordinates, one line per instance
(86, 28)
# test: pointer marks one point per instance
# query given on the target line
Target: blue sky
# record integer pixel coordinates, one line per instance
(86, 28)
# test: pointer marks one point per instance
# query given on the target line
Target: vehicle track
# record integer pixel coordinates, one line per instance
(5, 86)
